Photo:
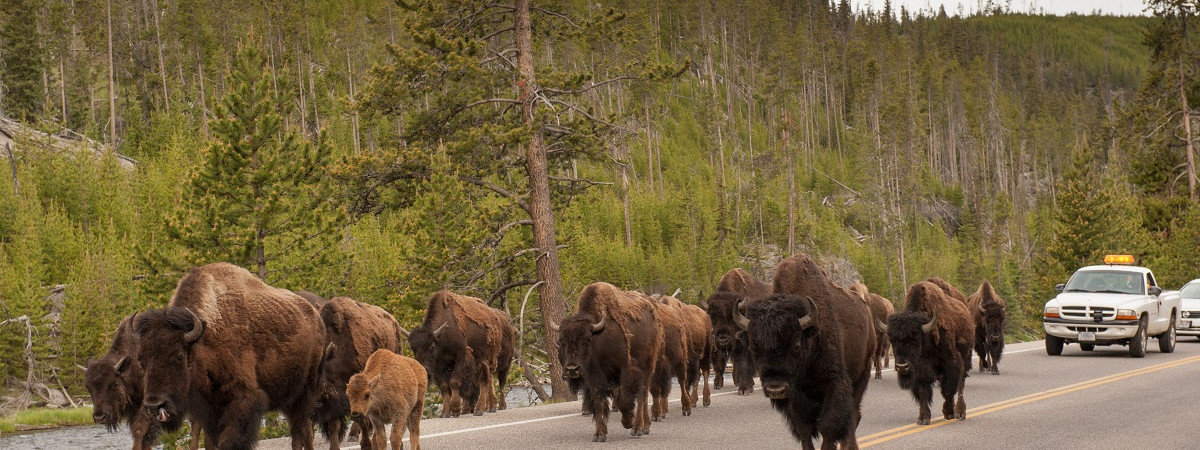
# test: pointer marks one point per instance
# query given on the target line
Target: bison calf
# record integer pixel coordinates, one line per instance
(391, 389)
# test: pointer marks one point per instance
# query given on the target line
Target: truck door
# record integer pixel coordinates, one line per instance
(1157, 312)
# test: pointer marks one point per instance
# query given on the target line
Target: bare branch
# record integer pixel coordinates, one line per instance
(558, 15)
(588, 87)
(497, 189)
(490, 100)
(582, 180)
(502, 289)
(497, 33)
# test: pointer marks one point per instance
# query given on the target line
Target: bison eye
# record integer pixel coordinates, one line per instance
(367, 396)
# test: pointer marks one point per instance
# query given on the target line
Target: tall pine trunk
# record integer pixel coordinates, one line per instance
(551, 302)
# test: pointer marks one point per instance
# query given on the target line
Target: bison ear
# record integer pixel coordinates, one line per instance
(374, 381)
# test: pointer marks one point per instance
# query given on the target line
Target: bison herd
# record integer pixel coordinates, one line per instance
(229, 348)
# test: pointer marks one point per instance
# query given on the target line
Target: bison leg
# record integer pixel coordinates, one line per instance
(720, 359)
(924, 395)
(996, 351)
(600, 417)
(887, 353)
(413, 420)
(626, 399)
(239, 424)
(378, 434)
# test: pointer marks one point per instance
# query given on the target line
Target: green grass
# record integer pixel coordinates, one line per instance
(35, 418)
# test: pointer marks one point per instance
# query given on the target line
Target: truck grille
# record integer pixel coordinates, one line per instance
(1192, 314)
(1086, 329)
(1085, 312)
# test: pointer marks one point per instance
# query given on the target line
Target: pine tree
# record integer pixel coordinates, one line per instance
(260, 197)
(22, 56)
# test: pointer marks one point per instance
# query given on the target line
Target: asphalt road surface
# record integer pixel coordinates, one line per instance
(1095, 400)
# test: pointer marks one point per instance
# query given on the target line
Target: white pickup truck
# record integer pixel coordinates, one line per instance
(1116, 303)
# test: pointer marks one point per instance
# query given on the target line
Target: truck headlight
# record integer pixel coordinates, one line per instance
(1051, 312)
(1126, 314)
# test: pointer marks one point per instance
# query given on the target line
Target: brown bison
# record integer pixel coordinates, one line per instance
(610, 348)
(115, 383)
(736, 286)
(698, 328)
(989, 311)
(881, 308)
(672, 358)
(356, 330)
(463, 343)
(228, 349)
(932, 337)
(812, 342)
(390, 390)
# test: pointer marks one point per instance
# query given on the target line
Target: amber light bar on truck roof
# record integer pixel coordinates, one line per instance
(1118, 259)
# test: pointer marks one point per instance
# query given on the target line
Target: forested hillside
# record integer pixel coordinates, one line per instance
(683, 139)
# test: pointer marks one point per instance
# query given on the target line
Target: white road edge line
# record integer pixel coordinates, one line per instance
(576, 414)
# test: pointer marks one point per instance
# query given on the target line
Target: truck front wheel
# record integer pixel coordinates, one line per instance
(1137, 344)
(1054, 345)
(1166, 341)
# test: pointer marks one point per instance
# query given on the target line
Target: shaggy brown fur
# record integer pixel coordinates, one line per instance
(990, 312)
(478, 349)
(736, 288)
(115, 383)
(672, 360)
(742, 282)
(257, 349)
(618, 360)
(315, 300)
(881, 308)
(954, 322)
(390, 390)
(700, 345)
(948, 288)
(356, 330)
(820, 389)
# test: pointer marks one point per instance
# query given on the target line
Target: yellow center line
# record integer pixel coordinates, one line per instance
(898, 432)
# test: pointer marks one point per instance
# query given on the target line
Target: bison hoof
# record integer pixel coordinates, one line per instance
(587, 413)
(687, 413)
(707, 402)
(477, 413)
(960, 416)
(922, 421)
(878, 376)
(995, 371)
(599, 438)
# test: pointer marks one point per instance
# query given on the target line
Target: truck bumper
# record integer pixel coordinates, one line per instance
(1188, 327)
(1106, 332)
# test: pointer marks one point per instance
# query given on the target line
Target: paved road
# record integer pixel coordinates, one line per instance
(1096, 400)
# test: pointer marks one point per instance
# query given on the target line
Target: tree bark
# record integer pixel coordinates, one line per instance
(162, 67)
(112, 94)
(551, 302)
(1187, 116)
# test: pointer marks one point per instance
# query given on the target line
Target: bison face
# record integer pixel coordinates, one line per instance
(575, 344)
(358, 390)
(993, 321)
(108, 381)
(909, 334)
(167, 338)
(783, 338)
(720, 310)
(424, 346)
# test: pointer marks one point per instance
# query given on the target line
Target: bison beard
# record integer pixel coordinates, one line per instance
(932, 347)
(229, 349)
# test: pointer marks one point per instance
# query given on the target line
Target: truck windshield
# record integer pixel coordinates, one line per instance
(1112, 282)
(1190, 290)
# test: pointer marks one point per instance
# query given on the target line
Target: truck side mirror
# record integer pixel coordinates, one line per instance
(1154, 290)
(1059, 287)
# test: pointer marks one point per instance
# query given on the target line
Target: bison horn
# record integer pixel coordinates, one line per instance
(677, 292)
(932, 322)
(741, 321)
(703, 304)
(197, 329)
(438, 331)
(599, 326)
(811, 318)
(554, 326)
(879, 325)
(403, 331)
(121, 362)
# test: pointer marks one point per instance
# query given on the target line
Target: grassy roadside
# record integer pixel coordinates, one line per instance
(35, 418)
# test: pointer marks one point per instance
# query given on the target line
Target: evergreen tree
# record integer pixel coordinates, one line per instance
(259, 198)
(22, 56)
